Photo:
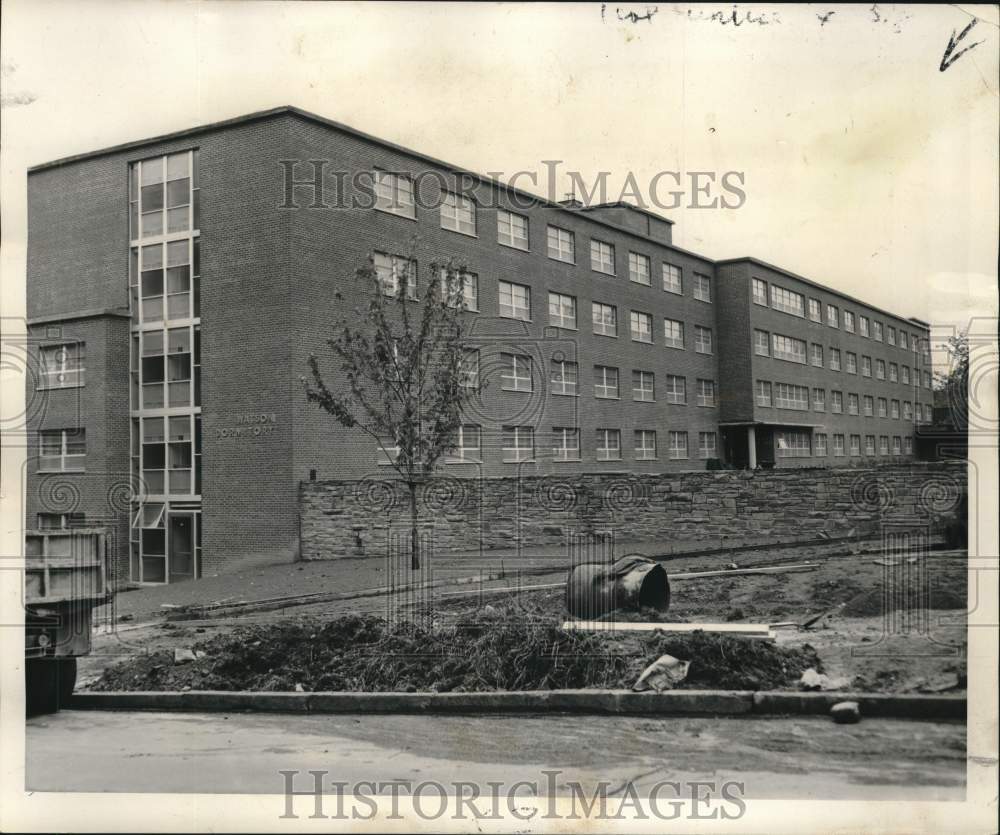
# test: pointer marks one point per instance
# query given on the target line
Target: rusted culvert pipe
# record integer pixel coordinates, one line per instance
(631, 582)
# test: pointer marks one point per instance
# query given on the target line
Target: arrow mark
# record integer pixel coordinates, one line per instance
(948, 59)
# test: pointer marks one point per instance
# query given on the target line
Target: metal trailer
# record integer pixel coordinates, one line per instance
(65, 577)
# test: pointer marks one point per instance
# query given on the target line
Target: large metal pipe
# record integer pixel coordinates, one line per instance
(631, 582)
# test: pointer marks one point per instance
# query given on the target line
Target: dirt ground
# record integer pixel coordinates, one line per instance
(893, 628)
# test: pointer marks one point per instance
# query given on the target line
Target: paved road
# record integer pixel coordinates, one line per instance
(804, 757)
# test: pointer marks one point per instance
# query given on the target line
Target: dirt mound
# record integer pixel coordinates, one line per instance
(501, 650)
(879, 602)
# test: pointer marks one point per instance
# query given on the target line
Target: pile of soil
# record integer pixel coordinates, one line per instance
(502, 649)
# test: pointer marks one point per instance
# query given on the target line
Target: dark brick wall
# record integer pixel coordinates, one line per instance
(676, 511)
(735, 343)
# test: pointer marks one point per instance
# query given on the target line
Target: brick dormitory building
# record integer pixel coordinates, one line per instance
(174, 294)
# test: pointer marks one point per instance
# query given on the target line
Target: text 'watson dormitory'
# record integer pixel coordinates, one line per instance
(172, 304)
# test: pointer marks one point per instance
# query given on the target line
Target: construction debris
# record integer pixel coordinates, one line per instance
(846, 713)
(731, 572)
(760, 632)
(663, 674)
(814, 680)
(632, 582)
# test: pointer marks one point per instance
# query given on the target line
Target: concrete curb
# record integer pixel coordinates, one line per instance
(624, 702)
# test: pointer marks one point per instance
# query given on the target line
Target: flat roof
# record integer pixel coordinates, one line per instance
(751, 260)
(482, 178)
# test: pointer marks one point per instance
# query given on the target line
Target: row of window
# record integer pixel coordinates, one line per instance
(799, 444)
(394, 194)
(790, 349)
(518, 444)
(796, 304)
(790, 396)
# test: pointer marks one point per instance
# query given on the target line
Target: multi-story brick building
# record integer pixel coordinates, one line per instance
(177, 285)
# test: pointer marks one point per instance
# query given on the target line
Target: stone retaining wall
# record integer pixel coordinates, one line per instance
(680, 512)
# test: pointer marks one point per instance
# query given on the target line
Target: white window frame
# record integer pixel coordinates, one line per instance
(789, 349)
(636, 320)
(600, 322)
(883, 407)
(819, 400)
(759, 291)
(514, 308)
(868, 405)
(565, 443)
(605, 449)
(819, 445)
(708, 450)
(64, 461)
(788, 301)
(676, 389)
(469, 371)
(893, 372)
(836, 402)
(461, 451)
(517, 373)
(458, 214)
(675, 341)
(832, 316)
(839, 448)
(866, 366)
(470, 287)
(639, 269)
(793, 443)
(564, 377)
(669, 273)
(560, 244)
(870, 446)
(815, 311)
(761, 343)
(763, 395)
(394, 194)
(523, 447)
(602, 256)
(879, 369)
(853, 404)
(855, 442)
(602, 386)
(702, 339)
(640, 391)
(677, 451)
(863, 326)
(703, 288)
(791, 396)
(62, 366)
(644, 444)
(706, 393)
(876, 330)
(851, 366)
(835, 359)
(816, 353)
(562, 311)
(513, 221)
(849, 321)
(389, 268)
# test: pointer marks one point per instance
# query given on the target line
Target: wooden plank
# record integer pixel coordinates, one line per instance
(770, 569)
(749, 629)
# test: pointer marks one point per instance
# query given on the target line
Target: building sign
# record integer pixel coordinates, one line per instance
(249, 425)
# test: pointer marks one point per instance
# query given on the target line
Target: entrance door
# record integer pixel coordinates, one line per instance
(181, 544)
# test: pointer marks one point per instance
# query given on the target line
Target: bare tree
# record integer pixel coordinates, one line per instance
(403, 363)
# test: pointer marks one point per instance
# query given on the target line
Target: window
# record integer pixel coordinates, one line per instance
(62, 366)
(458, 213)
(761, 343)
(869, 403)
(702, 340)
(645, 445)
(883, 407)
(392, 270)
(609, 445)
(469, 284)
(837, 402)
(673, 333)
(394, 194)
(706, 392)
(907, 410)
(855, 445)
(869, 445)
(905, 371)
(602, 257)
(819, 442)
(562, 245)
(852, 363)
(518, 443)
(902, 339)
(469, 370)
(512, 229)
(564, 377)
(787, 301)
(162, 193)
(562, 311)
(760, 292)
(641, 326)
(817, 355)
(897, 445)
(793, 444)
(866, 366)
(838, 445)
(883, 444)
(815, 310)
(706, 445)
(832, 315)
(894, 409)
(877, 331)
(863, 325)
(788, 396)
(62, 450)
(516, 373)
(61, 521)
(565, 443)
(835, 359)
(908, 445)
(605, 319)
(848, 321)
(605, 382)
(678, 445)
(643, 388)
(638, 268)
(789, 349)
(890, 335)
(893, 372)
(880, 369)
(763, 393)
(466, 443)
(672, 279)
(819, 400)
(515, 301)
(927, 380)
(852, 404)
(676, 389)
(702, 288)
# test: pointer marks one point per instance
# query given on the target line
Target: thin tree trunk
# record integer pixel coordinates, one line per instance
(414, 532)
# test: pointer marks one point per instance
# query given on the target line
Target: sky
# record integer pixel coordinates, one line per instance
(865, 167)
